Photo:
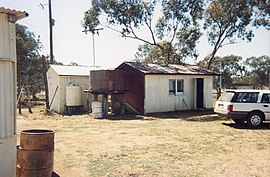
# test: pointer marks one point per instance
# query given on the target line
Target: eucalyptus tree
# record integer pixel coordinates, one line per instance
(259, 70)
(169, 24)
(29, 66)
(230, 67)
(226, 21)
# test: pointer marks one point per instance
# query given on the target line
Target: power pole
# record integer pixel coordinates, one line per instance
(51, 24)
(93, 36)
(94, 54)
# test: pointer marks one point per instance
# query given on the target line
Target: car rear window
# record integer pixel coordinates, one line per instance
(246, 97)
(227, 96)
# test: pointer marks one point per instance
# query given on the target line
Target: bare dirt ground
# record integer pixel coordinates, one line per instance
(173, 144)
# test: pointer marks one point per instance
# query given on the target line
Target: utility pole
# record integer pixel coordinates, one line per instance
(94, 55)
(93, 35)
(51, 24)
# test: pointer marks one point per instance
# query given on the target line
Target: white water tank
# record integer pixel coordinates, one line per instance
(73, 95)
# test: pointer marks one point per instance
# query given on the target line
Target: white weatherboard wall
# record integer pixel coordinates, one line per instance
(7, 97)
(157, 98)
(59, 101)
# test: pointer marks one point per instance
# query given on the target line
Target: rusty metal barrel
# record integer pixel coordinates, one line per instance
(35, 156)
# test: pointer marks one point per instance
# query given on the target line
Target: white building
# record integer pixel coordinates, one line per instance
(162, 88)
(61, 76)
(8, 78)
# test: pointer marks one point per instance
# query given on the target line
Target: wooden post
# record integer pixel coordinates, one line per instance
(45, 80)
(113, 103)
(122, 105)
(95, 97)
(105, 104)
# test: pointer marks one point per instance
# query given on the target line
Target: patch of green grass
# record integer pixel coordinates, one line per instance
(261, 146)
(69, 162)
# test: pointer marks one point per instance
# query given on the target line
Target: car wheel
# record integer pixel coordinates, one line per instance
(238, 121)
(255, 120)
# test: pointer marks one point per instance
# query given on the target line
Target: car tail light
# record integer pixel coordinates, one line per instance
(230, 108)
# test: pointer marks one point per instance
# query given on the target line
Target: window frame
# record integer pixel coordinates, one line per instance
(174, 86)
(239, 97)
(264, 101)
(182, 84)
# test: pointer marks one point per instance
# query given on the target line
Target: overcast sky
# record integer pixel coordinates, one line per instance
(72, 45)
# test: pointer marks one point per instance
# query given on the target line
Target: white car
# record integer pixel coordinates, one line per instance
(251, 106)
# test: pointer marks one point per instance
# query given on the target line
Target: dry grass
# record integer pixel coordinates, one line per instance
(174, 144)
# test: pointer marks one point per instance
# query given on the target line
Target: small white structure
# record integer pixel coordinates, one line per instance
(71, 80)
(8, 87)
(163, 88)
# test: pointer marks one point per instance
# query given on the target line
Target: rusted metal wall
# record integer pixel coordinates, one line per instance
(135, 84)
(105, 81)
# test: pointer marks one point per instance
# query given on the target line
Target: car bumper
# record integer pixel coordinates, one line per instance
(234, 115)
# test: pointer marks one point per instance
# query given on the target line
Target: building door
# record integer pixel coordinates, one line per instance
(199, 93)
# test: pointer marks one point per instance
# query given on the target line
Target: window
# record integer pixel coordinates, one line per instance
(266, 98)
(171, 86)
(227, 96)
(180, 86)
(246, 97)
(176, 86)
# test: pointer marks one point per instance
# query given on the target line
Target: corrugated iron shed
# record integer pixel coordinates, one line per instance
(19, 14)
(67, 70)
(8, 79)
(173, 69)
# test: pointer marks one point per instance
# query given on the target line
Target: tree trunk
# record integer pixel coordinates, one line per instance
(19, 96)
(211, 58)
(28, 96)
(45, 82)
(20, 106)
(269, 78)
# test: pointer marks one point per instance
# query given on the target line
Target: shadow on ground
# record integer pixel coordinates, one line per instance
(55, 175)
(200, 116)
(264, 126)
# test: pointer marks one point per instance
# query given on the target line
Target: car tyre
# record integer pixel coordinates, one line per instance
(255, 120)
(238, 121)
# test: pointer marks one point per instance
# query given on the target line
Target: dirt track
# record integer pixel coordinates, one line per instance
(175, 144)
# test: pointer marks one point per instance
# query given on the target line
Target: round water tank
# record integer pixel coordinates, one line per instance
(73, 95)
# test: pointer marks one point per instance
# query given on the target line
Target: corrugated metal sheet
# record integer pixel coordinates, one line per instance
(107, 81)
(7, 77)
(185, 69)
(8, 72)
(55, 80)
(18, 14)
(64, 70)
(7, 98)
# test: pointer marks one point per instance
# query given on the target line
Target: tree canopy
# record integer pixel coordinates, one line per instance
(235, 69)
(29, 62)
(176, 27)
(175, 31)
(226, 21)
(230, 67)
(259, 70)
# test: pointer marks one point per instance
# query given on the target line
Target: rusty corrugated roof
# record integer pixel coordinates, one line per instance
(19, 14)
(186, 69)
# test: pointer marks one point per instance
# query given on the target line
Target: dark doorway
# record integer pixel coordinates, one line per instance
(199, 93)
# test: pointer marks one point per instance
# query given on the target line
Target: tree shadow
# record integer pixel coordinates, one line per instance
(265, 126)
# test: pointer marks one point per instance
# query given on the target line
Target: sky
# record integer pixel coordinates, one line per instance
(72, 45)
